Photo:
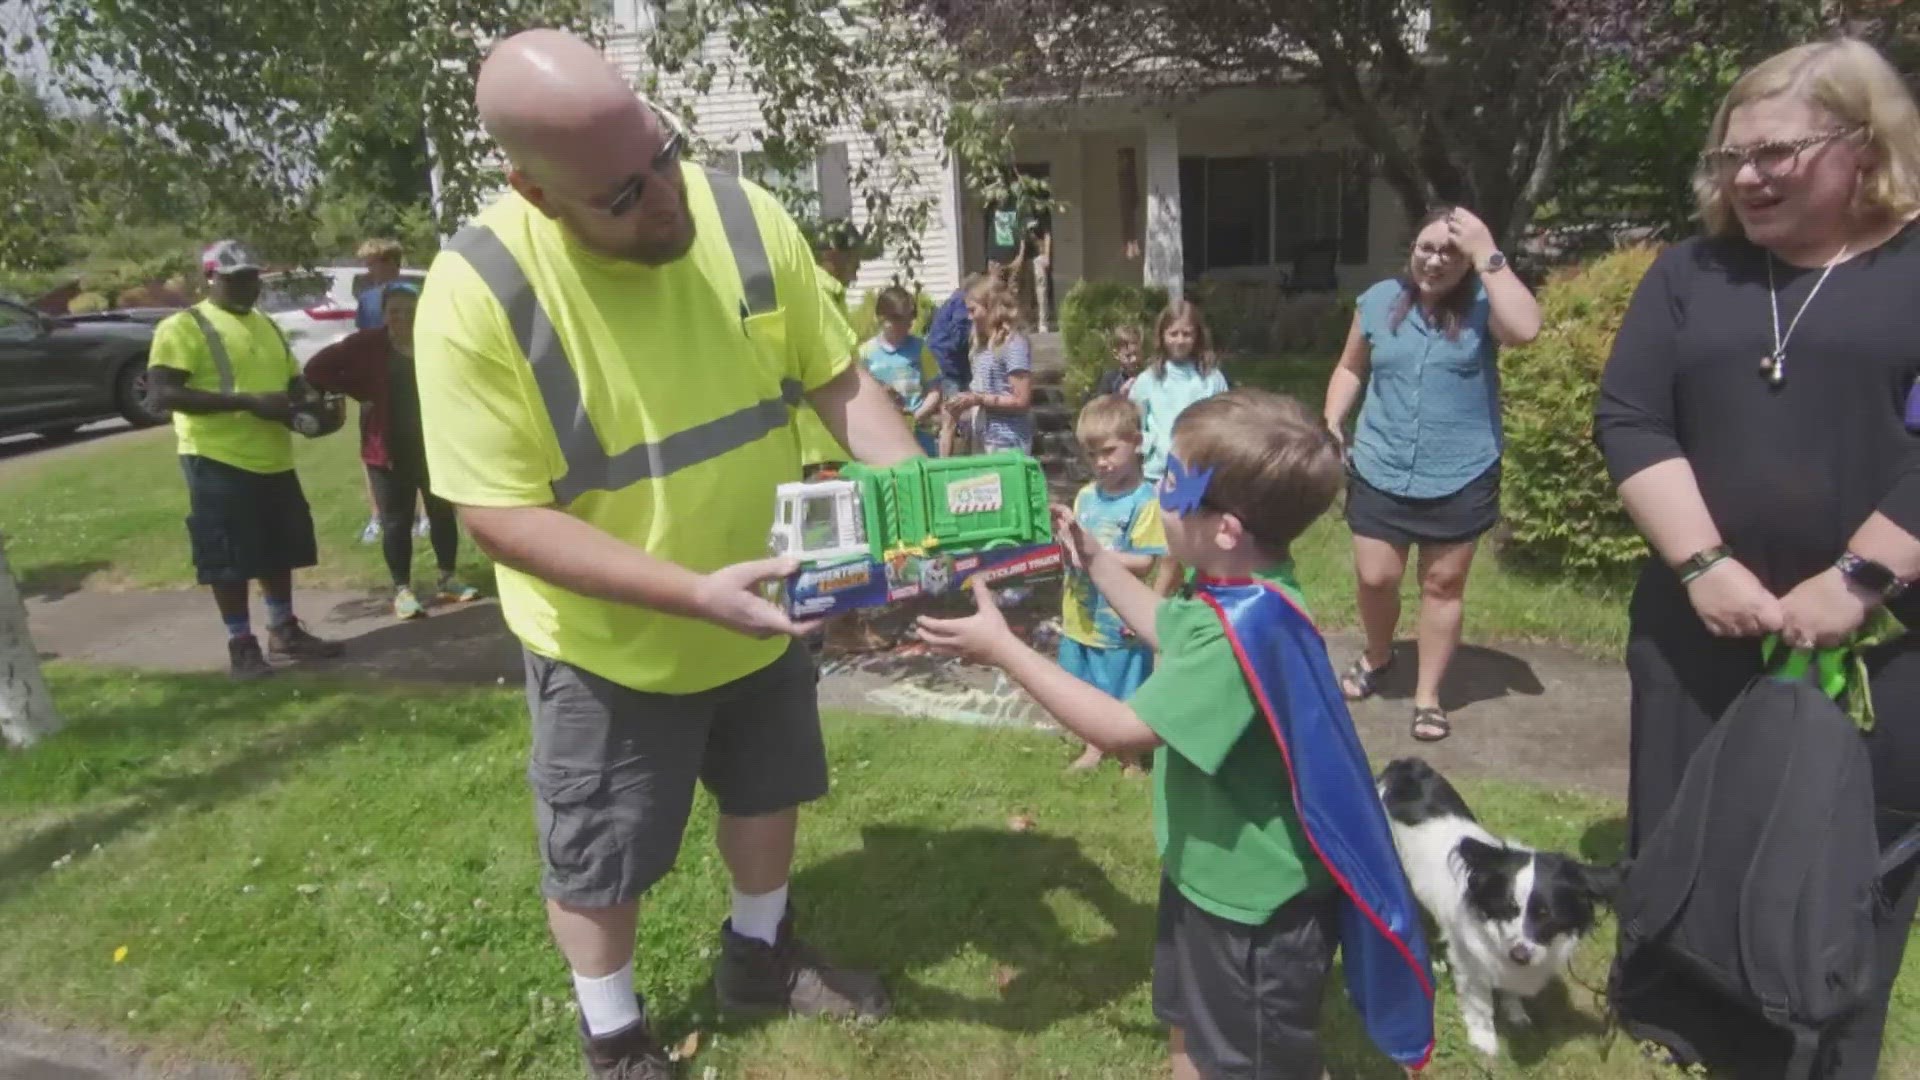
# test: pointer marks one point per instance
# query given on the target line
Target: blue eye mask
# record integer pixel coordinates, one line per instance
(1182, 490)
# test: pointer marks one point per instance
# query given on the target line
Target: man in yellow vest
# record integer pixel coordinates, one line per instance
(608, 360)
(226, 372)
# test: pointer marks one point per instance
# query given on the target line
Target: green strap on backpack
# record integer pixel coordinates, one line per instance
(1840, 671)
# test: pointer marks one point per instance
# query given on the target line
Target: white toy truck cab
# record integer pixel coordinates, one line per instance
(819, 522)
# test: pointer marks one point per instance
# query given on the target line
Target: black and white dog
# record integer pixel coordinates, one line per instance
(1510, 916)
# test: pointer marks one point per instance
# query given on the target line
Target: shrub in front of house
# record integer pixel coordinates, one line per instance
(87, 303)
(1258, 319)
(1088, 315)
(1561, 509)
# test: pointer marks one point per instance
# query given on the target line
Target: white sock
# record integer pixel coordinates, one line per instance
(607, 1003)
(759, 916)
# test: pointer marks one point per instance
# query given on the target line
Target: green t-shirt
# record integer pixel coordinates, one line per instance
(1222, 805)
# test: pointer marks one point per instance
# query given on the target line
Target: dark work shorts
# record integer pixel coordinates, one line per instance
(613, 768)
(1465, 515)
(245, 525)
(1247, 998)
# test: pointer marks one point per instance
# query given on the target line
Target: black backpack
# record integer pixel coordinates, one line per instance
(1748, 918)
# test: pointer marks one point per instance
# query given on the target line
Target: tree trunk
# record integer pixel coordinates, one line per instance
(1546, 163)
(26, 708)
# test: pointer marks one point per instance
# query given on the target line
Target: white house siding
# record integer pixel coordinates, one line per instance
(728, 115)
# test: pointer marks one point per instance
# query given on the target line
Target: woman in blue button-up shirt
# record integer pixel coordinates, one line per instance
(1424, 464)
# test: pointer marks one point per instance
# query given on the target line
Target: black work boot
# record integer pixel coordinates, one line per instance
(292, 641)
(246, 661)
(627, 1054)
(753, 977)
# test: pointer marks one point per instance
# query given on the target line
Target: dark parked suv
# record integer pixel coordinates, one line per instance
(59, 372)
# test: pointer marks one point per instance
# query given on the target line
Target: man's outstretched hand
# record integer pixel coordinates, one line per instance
(731, 597)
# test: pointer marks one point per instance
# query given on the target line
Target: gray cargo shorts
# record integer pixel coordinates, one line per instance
(612, 768)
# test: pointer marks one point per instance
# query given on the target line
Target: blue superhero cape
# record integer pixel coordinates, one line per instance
(1382, 942)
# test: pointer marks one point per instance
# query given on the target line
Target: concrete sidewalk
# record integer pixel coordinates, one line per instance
(1533, 713)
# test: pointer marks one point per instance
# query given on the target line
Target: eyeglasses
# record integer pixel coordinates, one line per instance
(1772, 159)
(668, 157)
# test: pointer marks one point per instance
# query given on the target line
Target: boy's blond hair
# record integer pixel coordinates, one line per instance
(1108, 416)
(381, 249)
(1275, 465)
(1124, 334)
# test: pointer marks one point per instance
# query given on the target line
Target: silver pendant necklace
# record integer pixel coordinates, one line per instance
(1773, 366)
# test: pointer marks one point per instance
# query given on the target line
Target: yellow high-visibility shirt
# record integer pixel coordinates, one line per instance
(657, 350)
(261, 364)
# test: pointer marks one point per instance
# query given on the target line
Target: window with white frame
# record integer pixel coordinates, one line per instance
(826, 184)
(1278, 211)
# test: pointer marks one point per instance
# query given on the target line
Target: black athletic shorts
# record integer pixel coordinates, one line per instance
(245, 525)
(1247, 998)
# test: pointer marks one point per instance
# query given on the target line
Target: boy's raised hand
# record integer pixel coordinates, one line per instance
(981, 637)
(1074, 542)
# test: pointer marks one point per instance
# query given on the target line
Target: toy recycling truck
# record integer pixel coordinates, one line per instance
(924, 527)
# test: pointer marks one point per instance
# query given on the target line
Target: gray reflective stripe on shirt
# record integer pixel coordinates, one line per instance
(221, 363)
(743, 236)
(589, 466)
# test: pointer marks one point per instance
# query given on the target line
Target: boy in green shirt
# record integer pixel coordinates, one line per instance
(1247, 925)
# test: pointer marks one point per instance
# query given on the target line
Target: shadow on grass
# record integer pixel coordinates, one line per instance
(913, 898)
(53, 581)
(1477, 674)
(467, 644)
(1614, 584)
(171, 746)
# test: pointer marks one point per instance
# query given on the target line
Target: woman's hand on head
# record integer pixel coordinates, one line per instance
(1470, 235)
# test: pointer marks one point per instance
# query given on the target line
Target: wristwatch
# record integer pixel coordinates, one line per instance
(1701, 561)
(1871, 576)
(1495, 263)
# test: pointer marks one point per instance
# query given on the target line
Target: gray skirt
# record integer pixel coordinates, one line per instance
(1464, 515)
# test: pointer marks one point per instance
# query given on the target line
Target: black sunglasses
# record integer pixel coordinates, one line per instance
(669, 156)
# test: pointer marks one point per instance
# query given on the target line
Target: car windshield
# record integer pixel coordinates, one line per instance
(17, 323)
(292, 292)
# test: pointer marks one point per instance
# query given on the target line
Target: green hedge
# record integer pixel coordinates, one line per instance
(87, 303)
(1088, 315)
(1560, 507)
(866, 324)
(1255, 318)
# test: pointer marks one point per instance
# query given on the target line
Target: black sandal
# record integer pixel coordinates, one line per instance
(1362, 678)
(1430, 718)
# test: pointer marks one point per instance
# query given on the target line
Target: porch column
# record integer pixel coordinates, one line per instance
(1163, 254)
(953, 267)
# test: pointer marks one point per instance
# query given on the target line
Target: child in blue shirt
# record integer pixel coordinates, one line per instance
(900, 361)
(1119, 510)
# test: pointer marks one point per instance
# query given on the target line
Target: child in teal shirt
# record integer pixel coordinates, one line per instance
(899, 360)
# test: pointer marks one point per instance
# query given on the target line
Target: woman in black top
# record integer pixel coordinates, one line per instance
(1752, 414)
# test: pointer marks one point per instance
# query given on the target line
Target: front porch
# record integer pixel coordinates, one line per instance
(1256, 186)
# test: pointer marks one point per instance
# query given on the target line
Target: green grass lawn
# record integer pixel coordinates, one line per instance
(113, 516)
(1505, 601)
(327, 881)
(331, 881)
